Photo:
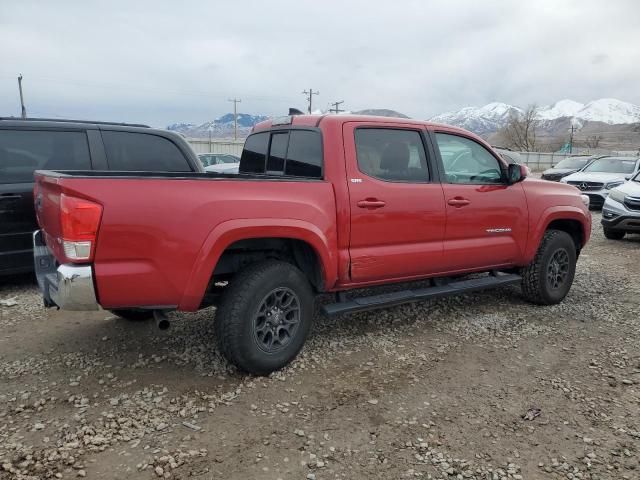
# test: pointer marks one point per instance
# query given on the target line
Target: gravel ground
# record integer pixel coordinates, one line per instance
(482, 386)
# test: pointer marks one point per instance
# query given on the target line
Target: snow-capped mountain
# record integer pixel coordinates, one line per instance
(563, 108)
(481, 120)
(611, 111)
(219, 128)
(493, 116)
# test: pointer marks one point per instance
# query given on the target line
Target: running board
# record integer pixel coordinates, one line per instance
(406, 296)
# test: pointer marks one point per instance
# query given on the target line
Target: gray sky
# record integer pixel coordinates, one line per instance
(160, 62)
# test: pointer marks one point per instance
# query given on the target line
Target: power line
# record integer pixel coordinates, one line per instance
(23, 110)
(335, 108)
(235, 116)
(310, 95)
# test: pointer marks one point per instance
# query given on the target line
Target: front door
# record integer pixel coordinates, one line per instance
(396, 201)
(487, 219)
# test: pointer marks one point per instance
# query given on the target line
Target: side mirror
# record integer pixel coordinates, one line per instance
(516, 173)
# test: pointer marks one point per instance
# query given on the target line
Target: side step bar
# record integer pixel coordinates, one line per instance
(406, 296)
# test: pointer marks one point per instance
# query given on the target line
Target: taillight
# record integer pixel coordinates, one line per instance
(79, 220)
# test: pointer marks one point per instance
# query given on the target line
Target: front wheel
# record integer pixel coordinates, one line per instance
(613, 234)
(264, 317)
(547, 280)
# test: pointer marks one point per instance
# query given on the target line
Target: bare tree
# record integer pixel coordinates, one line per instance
(592, 141)
(520, 131)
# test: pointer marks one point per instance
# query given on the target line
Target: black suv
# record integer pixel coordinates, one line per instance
(45, 144)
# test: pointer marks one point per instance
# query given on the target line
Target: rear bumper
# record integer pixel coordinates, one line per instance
(69, 287)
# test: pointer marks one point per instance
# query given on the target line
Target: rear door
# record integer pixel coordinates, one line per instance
(487, 220)
(396, 202)
(22, 151)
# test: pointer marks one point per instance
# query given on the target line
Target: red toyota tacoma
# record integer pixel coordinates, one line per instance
(321, 204)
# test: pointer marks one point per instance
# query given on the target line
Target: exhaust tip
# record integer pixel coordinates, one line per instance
(162, 320)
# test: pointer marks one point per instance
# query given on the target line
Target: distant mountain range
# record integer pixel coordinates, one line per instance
(221, 127)
(493, 116)
(617, 121)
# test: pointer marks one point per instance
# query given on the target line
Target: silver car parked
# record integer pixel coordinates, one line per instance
(621, 210)
(600, 176)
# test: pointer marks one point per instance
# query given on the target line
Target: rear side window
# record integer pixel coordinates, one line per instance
(254, 153)
(141, 152)
(304, 156)
(277, 153)
(295, 153)
(23, 151)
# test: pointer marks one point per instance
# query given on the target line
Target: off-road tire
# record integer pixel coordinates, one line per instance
(613, 234)
(235, 320)
(536, 287)
(133, 315)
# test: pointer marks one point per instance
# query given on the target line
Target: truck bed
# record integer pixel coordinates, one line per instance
(158, 228)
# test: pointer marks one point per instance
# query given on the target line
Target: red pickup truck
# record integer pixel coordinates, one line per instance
(321, 204)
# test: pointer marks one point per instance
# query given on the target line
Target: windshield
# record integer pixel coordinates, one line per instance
(572, 163)
(612, 165)
(636, 178)
(228, 159)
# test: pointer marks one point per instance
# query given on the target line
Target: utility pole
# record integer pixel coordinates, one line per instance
(310, 95)
(571, 139)
(23, 110)
(335, 108)
(235, 116)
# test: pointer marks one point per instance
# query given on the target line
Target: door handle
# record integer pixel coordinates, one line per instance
(459, 202)
(371, 203)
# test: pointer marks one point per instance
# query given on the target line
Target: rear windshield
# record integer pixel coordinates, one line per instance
(289, 153)
(612, 165)
(23, 151)
(572, 163)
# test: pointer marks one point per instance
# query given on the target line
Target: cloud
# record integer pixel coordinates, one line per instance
(159, 61)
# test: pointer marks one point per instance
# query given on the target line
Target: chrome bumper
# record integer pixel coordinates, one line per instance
(67, 286)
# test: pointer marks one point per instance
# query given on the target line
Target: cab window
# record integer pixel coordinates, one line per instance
(466, 161)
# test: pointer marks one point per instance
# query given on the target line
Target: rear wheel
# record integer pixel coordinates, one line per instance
(613, 234)
(264, 317)
(133, 315)
(547, 280)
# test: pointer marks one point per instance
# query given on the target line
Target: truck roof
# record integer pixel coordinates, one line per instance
(319, 120)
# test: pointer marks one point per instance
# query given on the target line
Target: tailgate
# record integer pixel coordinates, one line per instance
(68, 219)
(46, 197)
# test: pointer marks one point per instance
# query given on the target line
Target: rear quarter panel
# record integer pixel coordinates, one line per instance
(155, 243)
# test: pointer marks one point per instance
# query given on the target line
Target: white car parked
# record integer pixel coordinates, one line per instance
(219, 162)
(598, 178)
